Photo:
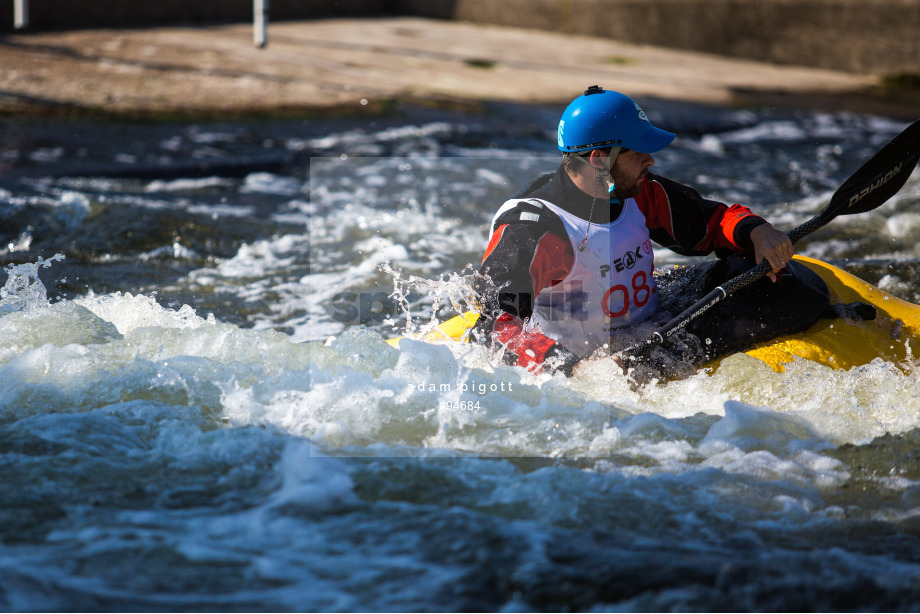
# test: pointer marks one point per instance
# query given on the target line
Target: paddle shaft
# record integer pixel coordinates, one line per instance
(718, 294)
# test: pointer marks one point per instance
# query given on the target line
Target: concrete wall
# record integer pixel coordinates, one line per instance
(55, 14)
(871, 36)
(866, 36)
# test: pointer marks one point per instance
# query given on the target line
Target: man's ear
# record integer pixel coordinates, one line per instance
(599, 160)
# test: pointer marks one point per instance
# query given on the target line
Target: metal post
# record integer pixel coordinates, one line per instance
(260, 22)
(21, 14)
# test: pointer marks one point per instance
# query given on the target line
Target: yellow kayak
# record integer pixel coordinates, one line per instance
(894, 335)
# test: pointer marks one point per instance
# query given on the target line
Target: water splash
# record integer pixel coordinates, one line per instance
(23, 290)
(460, 291)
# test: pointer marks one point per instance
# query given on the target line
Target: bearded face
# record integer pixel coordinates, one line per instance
(629, 172)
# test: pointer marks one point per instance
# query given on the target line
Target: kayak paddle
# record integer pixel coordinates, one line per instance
(868, 188)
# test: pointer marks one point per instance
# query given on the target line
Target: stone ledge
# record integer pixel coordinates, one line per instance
(363, 66)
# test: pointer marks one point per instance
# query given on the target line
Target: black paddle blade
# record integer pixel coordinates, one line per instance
(874, 183)
(881, 177)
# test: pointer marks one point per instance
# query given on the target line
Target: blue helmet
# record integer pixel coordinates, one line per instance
(601, 118)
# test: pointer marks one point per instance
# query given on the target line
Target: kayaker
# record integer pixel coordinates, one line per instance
(572, 251)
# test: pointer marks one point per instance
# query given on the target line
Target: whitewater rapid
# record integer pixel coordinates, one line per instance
(198, 412)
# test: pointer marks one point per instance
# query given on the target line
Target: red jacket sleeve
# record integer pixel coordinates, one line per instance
(680, 219)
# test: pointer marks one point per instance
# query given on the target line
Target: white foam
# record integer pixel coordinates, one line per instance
(187, 185)
(903, 225)
(268, 183)
(129, 312)
(782, 130)
(71, 209)
(312, 481)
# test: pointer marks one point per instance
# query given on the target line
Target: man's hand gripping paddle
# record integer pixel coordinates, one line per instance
(868, 188)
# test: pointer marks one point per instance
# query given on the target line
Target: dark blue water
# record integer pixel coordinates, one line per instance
(202, 412)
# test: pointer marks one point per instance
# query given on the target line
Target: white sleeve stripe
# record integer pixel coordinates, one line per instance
(508, 206)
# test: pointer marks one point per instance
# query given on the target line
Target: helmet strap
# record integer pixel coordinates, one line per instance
(603, 176)
(609, 161)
